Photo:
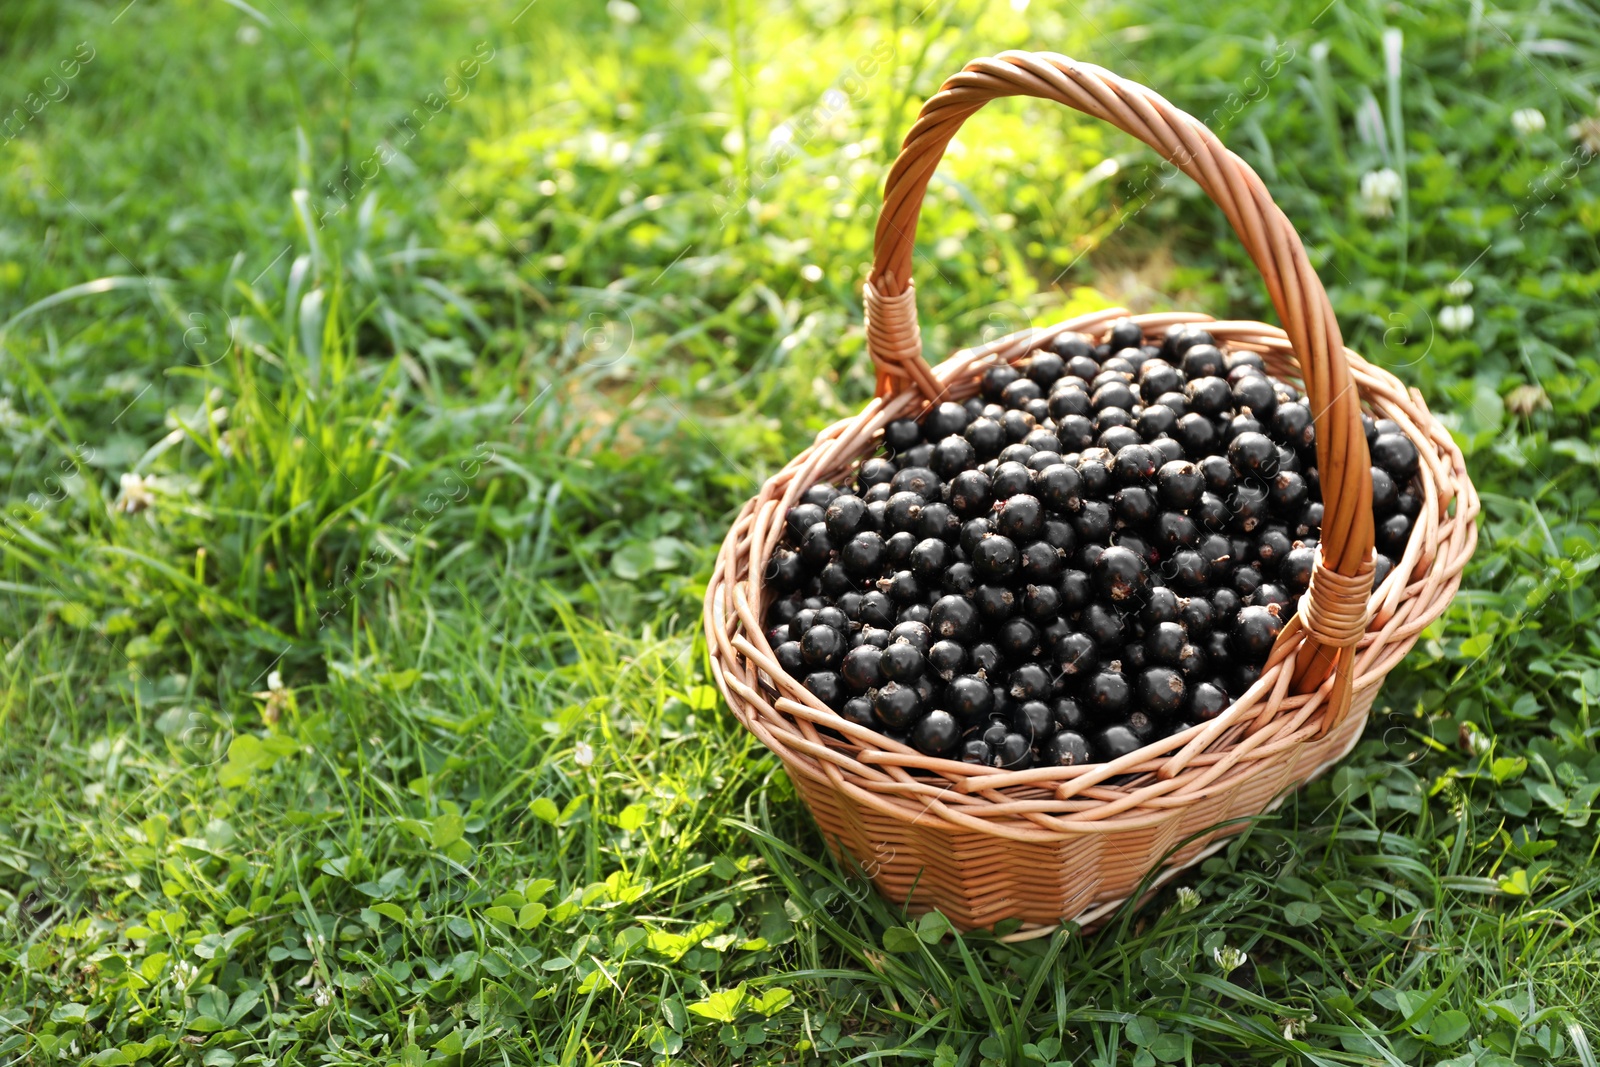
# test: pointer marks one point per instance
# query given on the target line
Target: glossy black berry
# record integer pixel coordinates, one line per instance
(1395, 453)
(1287, 493)
(995, 603)
(901, 434)
(1392, 534)
(971, 493)
(1206, 702)
(827, 687)
(984, 656)
(1292, 424)
(1254, 456)
(1116, 741)
(1120, 576)
(1107, 694)
(936, 733)
(986, 436)
(1254, 631)
(862, 668)
(1014, 753)
(929, 559)
(1208, 396)
(858, 710)
(1125, 333)
(996, 558)
(1018, 639)
(1254, 392)
(822, 646)
(896, 705)
(970, 698)
(1020, 518)
(1032, 719)
(947, 659)
(976, 750)
(1040, 563)
(1009, 479)
(944, 420)
(1093, 521)
(1162, 691)
(1203, 360)
(1068, 748)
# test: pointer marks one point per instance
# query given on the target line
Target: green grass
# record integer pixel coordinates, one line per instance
(357, 520)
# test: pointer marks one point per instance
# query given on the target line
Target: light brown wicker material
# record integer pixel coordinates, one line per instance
(1053, 843)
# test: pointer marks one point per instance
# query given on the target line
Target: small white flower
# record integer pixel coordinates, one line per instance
(322, 997)
(1528, 121)
(184, 974)
(1586, 131)
(274, 680)
(1379, 190)
(1459, 289)
(811, 272)
(136, 494)
(1293, 1028)
(1188, 899)
(583, 754)
(1457, 318)
(1228, 958)
(249, 34)
(623, 11)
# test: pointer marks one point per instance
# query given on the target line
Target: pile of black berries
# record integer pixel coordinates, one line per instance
(1096, 552)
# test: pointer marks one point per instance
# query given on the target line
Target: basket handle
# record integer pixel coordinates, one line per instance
(1334, 615)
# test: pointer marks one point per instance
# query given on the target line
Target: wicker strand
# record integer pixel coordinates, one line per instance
(894, 341)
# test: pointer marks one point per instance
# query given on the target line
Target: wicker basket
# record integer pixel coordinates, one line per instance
(1046, 845)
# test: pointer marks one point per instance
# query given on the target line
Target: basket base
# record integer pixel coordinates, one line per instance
(977, 880)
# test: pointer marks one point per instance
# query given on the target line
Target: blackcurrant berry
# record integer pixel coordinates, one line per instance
(1203, 361)
(896, 705)
(1115, 742)
(1253, 455)
(1120, 576)
(1067, 748)
(970, 698)
(862, 668)
(936, 733)
(943, 421)
(1254, 631)
(996, 557)
(828, 687)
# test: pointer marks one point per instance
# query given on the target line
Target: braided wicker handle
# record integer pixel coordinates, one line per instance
(1334, 614)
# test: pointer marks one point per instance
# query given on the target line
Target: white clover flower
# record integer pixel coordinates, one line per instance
(623, 11)
(1188, 899)
(1457, 318)
(1379, 190)
(136, 494)
(1528, 121)
(1586, 131)
(1228, 958)
(1459, 289)
(184, 974)
(583, 754)
(322, 997)
(1293, 1028)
